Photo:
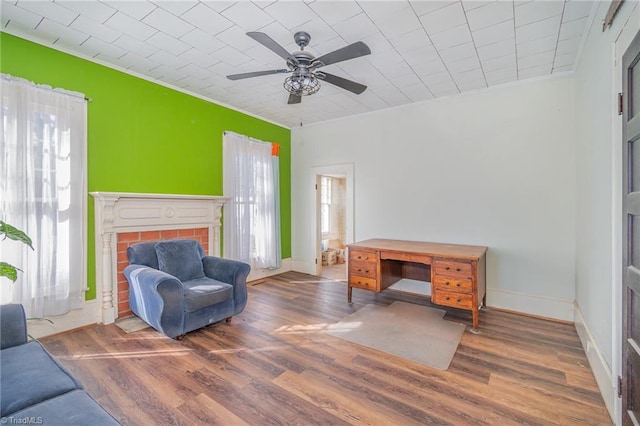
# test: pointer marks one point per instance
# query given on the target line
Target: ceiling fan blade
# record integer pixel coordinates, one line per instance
(351, 51)
(349, 85)
(270, 44)
(255, 74)
(294, 99)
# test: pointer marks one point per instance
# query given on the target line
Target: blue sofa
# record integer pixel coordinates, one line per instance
(176, 289)
(34, 387)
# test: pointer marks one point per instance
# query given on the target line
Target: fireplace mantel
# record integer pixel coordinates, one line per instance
(118, 212)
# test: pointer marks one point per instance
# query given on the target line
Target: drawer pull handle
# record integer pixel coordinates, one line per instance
(447, 298)
(458, 300)
(446, 283)
(458, 269)
(457, 284)
(447, 268)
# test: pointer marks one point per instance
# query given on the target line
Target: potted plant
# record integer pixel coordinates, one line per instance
(13, 233)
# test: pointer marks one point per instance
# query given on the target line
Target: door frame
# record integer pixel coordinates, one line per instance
(621, 44)
(346, 170)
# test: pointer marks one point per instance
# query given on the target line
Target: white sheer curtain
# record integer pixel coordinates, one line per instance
(43, 192)
(251, 227)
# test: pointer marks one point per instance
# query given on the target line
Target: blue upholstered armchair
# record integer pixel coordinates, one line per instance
(176, 289)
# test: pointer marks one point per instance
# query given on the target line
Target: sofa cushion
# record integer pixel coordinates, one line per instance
(72, 408)
(180, 258)
(30, 375)
(204, 292)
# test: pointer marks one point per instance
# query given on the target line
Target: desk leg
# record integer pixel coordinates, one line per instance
(349, 290)
(476, 320)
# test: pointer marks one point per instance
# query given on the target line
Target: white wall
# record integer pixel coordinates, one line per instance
(493, 168)
(594, 103)
(598, 199)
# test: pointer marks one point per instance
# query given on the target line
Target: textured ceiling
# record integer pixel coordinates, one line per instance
(420, 49)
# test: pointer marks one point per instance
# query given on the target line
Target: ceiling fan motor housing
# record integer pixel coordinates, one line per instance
(302, 39)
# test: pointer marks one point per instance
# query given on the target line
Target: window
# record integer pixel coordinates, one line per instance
(251, 225)
(43, 192)
(325, 205)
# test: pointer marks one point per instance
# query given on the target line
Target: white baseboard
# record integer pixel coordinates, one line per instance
(257, 274)
(546, 307)
(88, 315)
(601, 371)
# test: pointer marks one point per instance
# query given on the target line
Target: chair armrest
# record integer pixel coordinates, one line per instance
(13, 325)
(226, 270)
(157, 298)
(231, 272)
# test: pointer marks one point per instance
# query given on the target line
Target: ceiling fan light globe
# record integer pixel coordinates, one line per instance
(302, 85)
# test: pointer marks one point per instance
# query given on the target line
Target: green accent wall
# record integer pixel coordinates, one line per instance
(144, 137)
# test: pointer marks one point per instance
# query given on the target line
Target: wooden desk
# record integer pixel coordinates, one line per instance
(457, 272)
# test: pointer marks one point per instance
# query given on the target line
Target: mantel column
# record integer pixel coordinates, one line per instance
(217, 223)
(104, 207)
(108, 308)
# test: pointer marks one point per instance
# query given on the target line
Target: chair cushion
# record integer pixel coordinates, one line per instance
(204, 292)
(30, 375)
(180, 258)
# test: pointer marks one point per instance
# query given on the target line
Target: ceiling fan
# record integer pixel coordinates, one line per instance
(303, 66)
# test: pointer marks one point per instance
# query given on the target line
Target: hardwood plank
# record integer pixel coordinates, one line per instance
(204, 410)
(456, 393)
(564, 406)
(387, 410)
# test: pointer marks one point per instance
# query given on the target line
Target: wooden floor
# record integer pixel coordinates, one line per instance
(274, 364)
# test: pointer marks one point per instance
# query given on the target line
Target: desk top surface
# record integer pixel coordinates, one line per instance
(419, 247)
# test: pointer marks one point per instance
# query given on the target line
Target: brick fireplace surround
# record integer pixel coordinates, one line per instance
(123, 219)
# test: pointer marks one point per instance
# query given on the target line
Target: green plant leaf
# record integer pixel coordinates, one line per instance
(15, 234)
(8, 271)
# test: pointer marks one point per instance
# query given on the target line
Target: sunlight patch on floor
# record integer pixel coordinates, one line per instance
(302, 328)
(133, 354)
(147, 335)
(346, 326)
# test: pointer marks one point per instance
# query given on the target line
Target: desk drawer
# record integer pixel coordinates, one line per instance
(453, 299)
(407, 257)
(362, 282)
(452, 267)
(363, 269)
(461, 285)
(365, 256)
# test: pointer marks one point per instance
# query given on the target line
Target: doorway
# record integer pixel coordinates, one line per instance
(333, 230)
(333, 219)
